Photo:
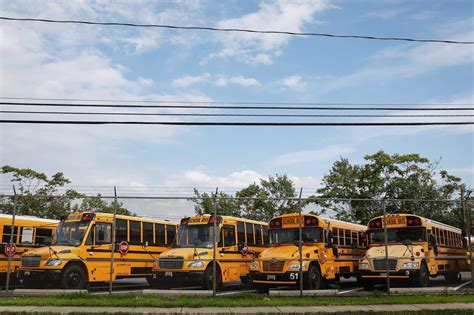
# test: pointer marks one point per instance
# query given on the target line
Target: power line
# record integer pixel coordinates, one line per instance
(166, 26)
(227, 115)
(257, 124)
(237, 107)
(228, 102)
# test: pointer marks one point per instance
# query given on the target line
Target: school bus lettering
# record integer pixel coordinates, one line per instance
(290, 221)
(396, 221)
(198, 220)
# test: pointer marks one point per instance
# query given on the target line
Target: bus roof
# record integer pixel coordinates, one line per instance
(227, 217)
(27, 217)
(127, 217)
(425, 220)
(326, 220)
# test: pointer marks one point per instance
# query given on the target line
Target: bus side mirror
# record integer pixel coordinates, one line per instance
(47, 241)
(407, 242)
(432, 240)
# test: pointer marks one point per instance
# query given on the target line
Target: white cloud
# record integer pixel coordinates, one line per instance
(145, 82)
(189, 80)
(280, 15)
(294, 82)
(310, 156)
(406, 61)
(217, 80)
(238, 80)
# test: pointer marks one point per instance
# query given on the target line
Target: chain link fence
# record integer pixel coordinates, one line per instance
(173, 204)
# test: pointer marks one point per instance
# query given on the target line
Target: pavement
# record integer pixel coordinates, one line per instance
(468, 307)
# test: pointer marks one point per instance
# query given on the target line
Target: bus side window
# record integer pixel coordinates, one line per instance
(341, 237)
(249, 231)
(135, 233)
(240, 232)
(103, 233)
(159, 234)
(42, 234)
(347, 234)
(147, 233)
(6, 234)
(265, 235)
(228, 232)
(90, 237)
(354, 238)
(335, 236)
(258, 234)
(170, 234)
(26, 235)
(121, 230)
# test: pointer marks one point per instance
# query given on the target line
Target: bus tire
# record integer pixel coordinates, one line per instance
(423, 276)
(73, 277)
(452, 276)
(208, 281)
(314, 280)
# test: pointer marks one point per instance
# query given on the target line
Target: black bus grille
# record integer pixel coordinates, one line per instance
(273, 266)
(171, 263)
(30, 261)
(380, 264)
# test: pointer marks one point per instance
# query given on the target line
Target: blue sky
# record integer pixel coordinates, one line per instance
(72, 61)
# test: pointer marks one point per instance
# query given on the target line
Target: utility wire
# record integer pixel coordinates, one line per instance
(194, 123)
(406, 39)
(224, 115)
(229, 102)
(236, 107)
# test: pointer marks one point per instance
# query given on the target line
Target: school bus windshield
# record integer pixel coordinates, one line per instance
(71, 233)
(201, 235)
(398, 235)
(290, 235)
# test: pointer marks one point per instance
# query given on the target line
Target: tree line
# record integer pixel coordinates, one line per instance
(407, 183)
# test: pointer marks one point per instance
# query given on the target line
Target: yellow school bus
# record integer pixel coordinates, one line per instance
(238, 243)
(417, 249)
(82, 249)
(330, 249)
(33, 232)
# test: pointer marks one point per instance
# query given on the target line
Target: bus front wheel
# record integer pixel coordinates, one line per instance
(208, 278)
(314, 280)
(423, 276)
(73, 277)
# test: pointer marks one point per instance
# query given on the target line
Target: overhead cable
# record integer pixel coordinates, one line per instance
(229, 102)
(237, 107)
(241, 30)
(214, 123)
(228, 115)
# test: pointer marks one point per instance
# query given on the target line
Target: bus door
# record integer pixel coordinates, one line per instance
(98, 251)
(229, 255)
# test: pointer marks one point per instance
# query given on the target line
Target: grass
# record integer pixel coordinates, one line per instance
(244, 300)
(427, 312)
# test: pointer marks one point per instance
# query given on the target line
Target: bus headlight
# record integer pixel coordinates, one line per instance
(196, 264)
(296, 267)
(53, 262)
(411, 264)
(253, 266)
(363, 266)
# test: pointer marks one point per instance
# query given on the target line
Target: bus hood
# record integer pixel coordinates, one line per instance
(187, 253)
(281, 252)
(52, 251)
(399, 251)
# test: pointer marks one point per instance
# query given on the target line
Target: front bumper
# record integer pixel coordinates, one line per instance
(380, 276)
(275, 279)
(38, 275)
(179, 276)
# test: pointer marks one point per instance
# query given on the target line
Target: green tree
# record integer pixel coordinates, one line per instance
(260, 201)
(98, 204)
(385, 176)
(204, 203)
(37, 194)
